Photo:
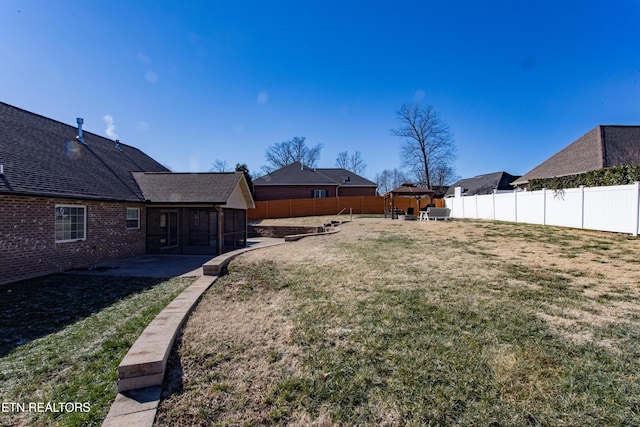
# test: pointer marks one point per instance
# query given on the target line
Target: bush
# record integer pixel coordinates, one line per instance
(619, 175)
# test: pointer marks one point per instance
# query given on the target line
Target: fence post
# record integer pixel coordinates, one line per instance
(635, 232)
(544, 206)
(582, 207)
(493, 197)
(515, 205)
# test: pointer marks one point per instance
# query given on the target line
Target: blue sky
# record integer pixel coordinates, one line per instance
(189, 82)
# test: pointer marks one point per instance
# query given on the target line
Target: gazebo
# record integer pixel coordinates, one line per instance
(407, 190)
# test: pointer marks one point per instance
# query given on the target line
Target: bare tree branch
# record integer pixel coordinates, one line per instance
(427, 143)
(390, 180)
(342, 161)
(288, 152)
(355, 163)
(220, 166)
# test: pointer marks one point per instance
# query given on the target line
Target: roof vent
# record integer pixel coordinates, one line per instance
(80, 138)
(118, 148)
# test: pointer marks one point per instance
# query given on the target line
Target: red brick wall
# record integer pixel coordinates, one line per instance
(284, 192)
(356, 191)
(27, 236)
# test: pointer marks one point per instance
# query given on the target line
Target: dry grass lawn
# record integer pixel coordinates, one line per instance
(417, 323)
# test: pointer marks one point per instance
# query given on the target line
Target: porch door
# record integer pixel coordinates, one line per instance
(169, 224)
(198, 227)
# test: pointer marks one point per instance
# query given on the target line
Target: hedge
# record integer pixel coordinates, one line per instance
(619, 175)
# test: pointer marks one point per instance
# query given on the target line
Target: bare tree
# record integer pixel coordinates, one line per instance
(342, 161)
(288, 152)
(427, 143)
(443, 175)
(353, 163)
(389, 180)
(220, 166)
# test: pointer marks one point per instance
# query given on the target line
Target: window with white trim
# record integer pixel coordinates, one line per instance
(133, 218)
(319, 194)
(70, 223)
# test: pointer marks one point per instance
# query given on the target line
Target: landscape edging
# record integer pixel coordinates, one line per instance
(145, 363)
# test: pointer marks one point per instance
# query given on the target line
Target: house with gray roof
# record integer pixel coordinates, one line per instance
(483, 184)
(601, 147)
(296, 181)
(195, 213)
(72, 199)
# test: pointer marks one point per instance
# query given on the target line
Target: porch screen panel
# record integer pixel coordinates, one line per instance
(241, 228)
(235, 228)
(199, 227)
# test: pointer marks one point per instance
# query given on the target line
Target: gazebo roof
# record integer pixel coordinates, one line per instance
(410, 190)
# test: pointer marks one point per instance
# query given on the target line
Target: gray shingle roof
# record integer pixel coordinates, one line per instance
(42, 157)
(483, 184)
(601, 147)
(296, 174)
(188, 187)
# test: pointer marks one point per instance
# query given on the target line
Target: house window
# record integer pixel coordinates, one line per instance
(70, 223)
(319, 194)
(133, 218)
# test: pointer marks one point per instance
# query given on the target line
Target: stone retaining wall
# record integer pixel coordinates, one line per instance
(281, 231)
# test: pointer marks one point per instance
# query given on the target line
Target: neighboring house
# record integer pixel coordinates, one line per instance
(72, 199)
(296, 181)
(440, 191)
(602, 147)
(483, 184)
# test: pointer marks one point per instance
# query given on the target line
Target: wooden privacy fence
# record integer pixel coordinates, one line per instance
(327, 206)
(313, 207)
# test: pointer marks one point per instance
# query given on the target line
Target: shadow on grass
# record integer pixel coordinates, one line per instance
(30, 309)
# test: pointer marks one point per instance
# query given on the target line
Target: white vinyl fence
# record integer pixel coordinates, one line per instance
(615, 208)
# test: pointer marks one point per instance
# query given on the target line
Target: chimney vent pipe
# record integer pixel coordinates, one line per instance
(80, 138)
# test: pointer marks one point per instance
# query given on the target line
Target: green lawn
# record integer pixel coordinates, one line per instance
(392, 323)
(63, 337)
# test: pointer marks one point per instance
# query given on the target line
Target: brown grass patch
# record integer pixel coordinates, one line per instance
(240, 361)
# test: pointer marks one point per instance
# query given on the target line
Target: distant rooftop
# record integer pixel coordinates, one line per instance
(297, 174)
(483, 184)
(601, 147)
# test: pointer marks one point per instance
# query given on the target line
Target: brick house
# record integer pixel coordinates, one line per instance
(72, 199)
(296, 181)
